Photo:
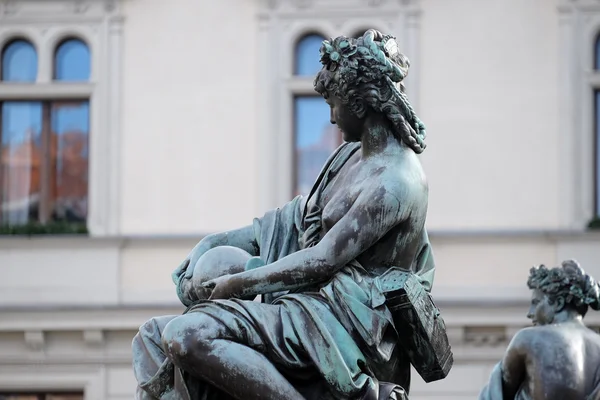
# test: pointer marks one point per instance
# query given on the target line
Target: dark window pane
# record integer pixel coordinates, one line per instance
(72, 61)
(315, 139)
(19, 62)
(307, 55)
(69, 160)
(597, 153)
(70, 396)
(597, 53)
(21, 162)
(19, 397)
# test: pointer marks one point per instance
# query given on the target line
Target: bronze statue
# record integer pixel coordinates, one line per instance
(344, 273)
(558, 358)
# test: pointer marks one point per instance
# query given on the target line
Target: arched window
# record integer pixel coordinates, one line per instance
(19, 62)
(597, 132)
(315, 138)
(44, 142)
(306, 57)
(597, 152)
(72, 61)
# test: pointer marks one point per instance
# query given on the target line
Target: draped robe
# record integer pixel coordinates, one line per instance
(334, 340)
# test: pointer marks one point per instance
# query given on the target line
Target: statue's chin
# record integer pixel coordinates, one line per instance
(348, 139)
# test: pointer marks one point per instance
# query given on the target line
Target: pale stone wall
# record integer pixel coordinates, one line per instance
(188, 145)
(489, 84)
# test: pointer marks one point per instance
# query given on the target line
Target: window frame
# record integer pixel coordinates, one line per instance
(596, 153)
(593, 82)
(45, 171)
(47, 99)
(100, 26)
(300, 86)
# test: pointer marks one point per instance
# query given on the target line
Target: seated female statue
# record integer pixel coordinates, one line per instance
(322, 328)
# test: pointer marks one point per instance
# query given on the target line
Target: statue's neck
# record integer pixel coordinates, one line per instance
(567, 316)
(378, 138)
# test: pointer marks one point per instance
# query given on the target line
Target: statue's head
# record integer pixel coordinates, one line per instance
(364, 76)
(564, 288)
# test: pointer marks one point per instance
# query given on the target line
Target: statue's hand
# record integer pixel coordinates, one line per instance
(185, 270)
(224, 287)
(180, 271)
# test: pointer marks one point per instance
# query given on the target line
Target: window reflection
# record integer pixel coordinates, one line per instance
(21, 161)
(69, 158)
(315, 139)
(597, 153)
(41, 396)
(19, 397)
(597, 53)
(72, 61)
(307, 55)
(19, 62)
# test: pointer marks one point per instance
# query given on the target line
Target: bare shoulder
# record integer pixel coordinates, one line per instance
(400, 177)
(534, 336)
(522, 339)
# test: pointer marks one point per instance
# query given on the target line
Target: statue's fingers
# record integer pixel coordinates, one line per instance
(189, 269)
(179, 271)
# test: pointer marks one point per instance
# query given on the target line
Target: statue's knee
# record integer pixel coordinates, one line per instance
(187, 336)
(154, 326)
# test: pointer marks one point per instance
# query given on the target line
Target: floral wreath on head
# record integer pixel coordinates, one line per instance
(374, 57)
(381, 59)
(569, 281)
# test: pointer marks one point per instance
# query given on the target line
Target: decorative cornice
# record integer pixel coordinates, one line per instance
(329, 7)
(59, 10)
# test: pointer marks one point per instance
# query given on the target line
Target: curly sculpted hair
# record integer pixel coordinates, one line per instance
(371, 69)
(569, 281)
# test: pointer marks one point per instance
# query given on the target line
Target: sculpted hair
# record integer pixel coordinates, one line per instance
(371, 69)
(569, 281)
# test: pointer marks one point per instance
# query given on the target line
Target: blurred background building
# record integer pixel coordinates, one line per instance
(131, 128)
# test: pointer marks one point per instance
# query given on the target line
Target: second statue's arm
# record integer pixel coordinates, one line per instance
(513, 364)
(362, 226)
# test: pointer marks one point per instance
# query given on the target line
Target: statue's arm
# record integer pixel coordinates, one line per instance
(514, 364)
(372, 215)
(242, 238)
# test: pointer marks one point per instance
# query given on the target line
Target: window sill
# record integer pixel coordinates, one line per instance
(36, 229)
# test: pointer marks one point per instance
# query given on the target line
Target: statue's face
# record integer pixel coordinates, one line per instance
(541, 312)
(350, 125)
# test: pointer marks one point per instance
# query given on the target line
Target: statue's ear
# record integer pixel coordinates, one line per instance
(359, 107)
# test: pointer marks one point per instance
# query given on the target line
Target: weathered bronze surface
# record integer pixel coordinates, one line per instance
(344, 273)
(559, 357)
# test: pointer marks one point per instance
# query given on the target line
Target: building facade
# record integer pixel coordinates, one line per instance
(139, 126)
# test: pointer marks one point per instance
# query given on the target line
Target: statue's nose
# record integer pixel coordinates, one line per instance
(530, 314)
